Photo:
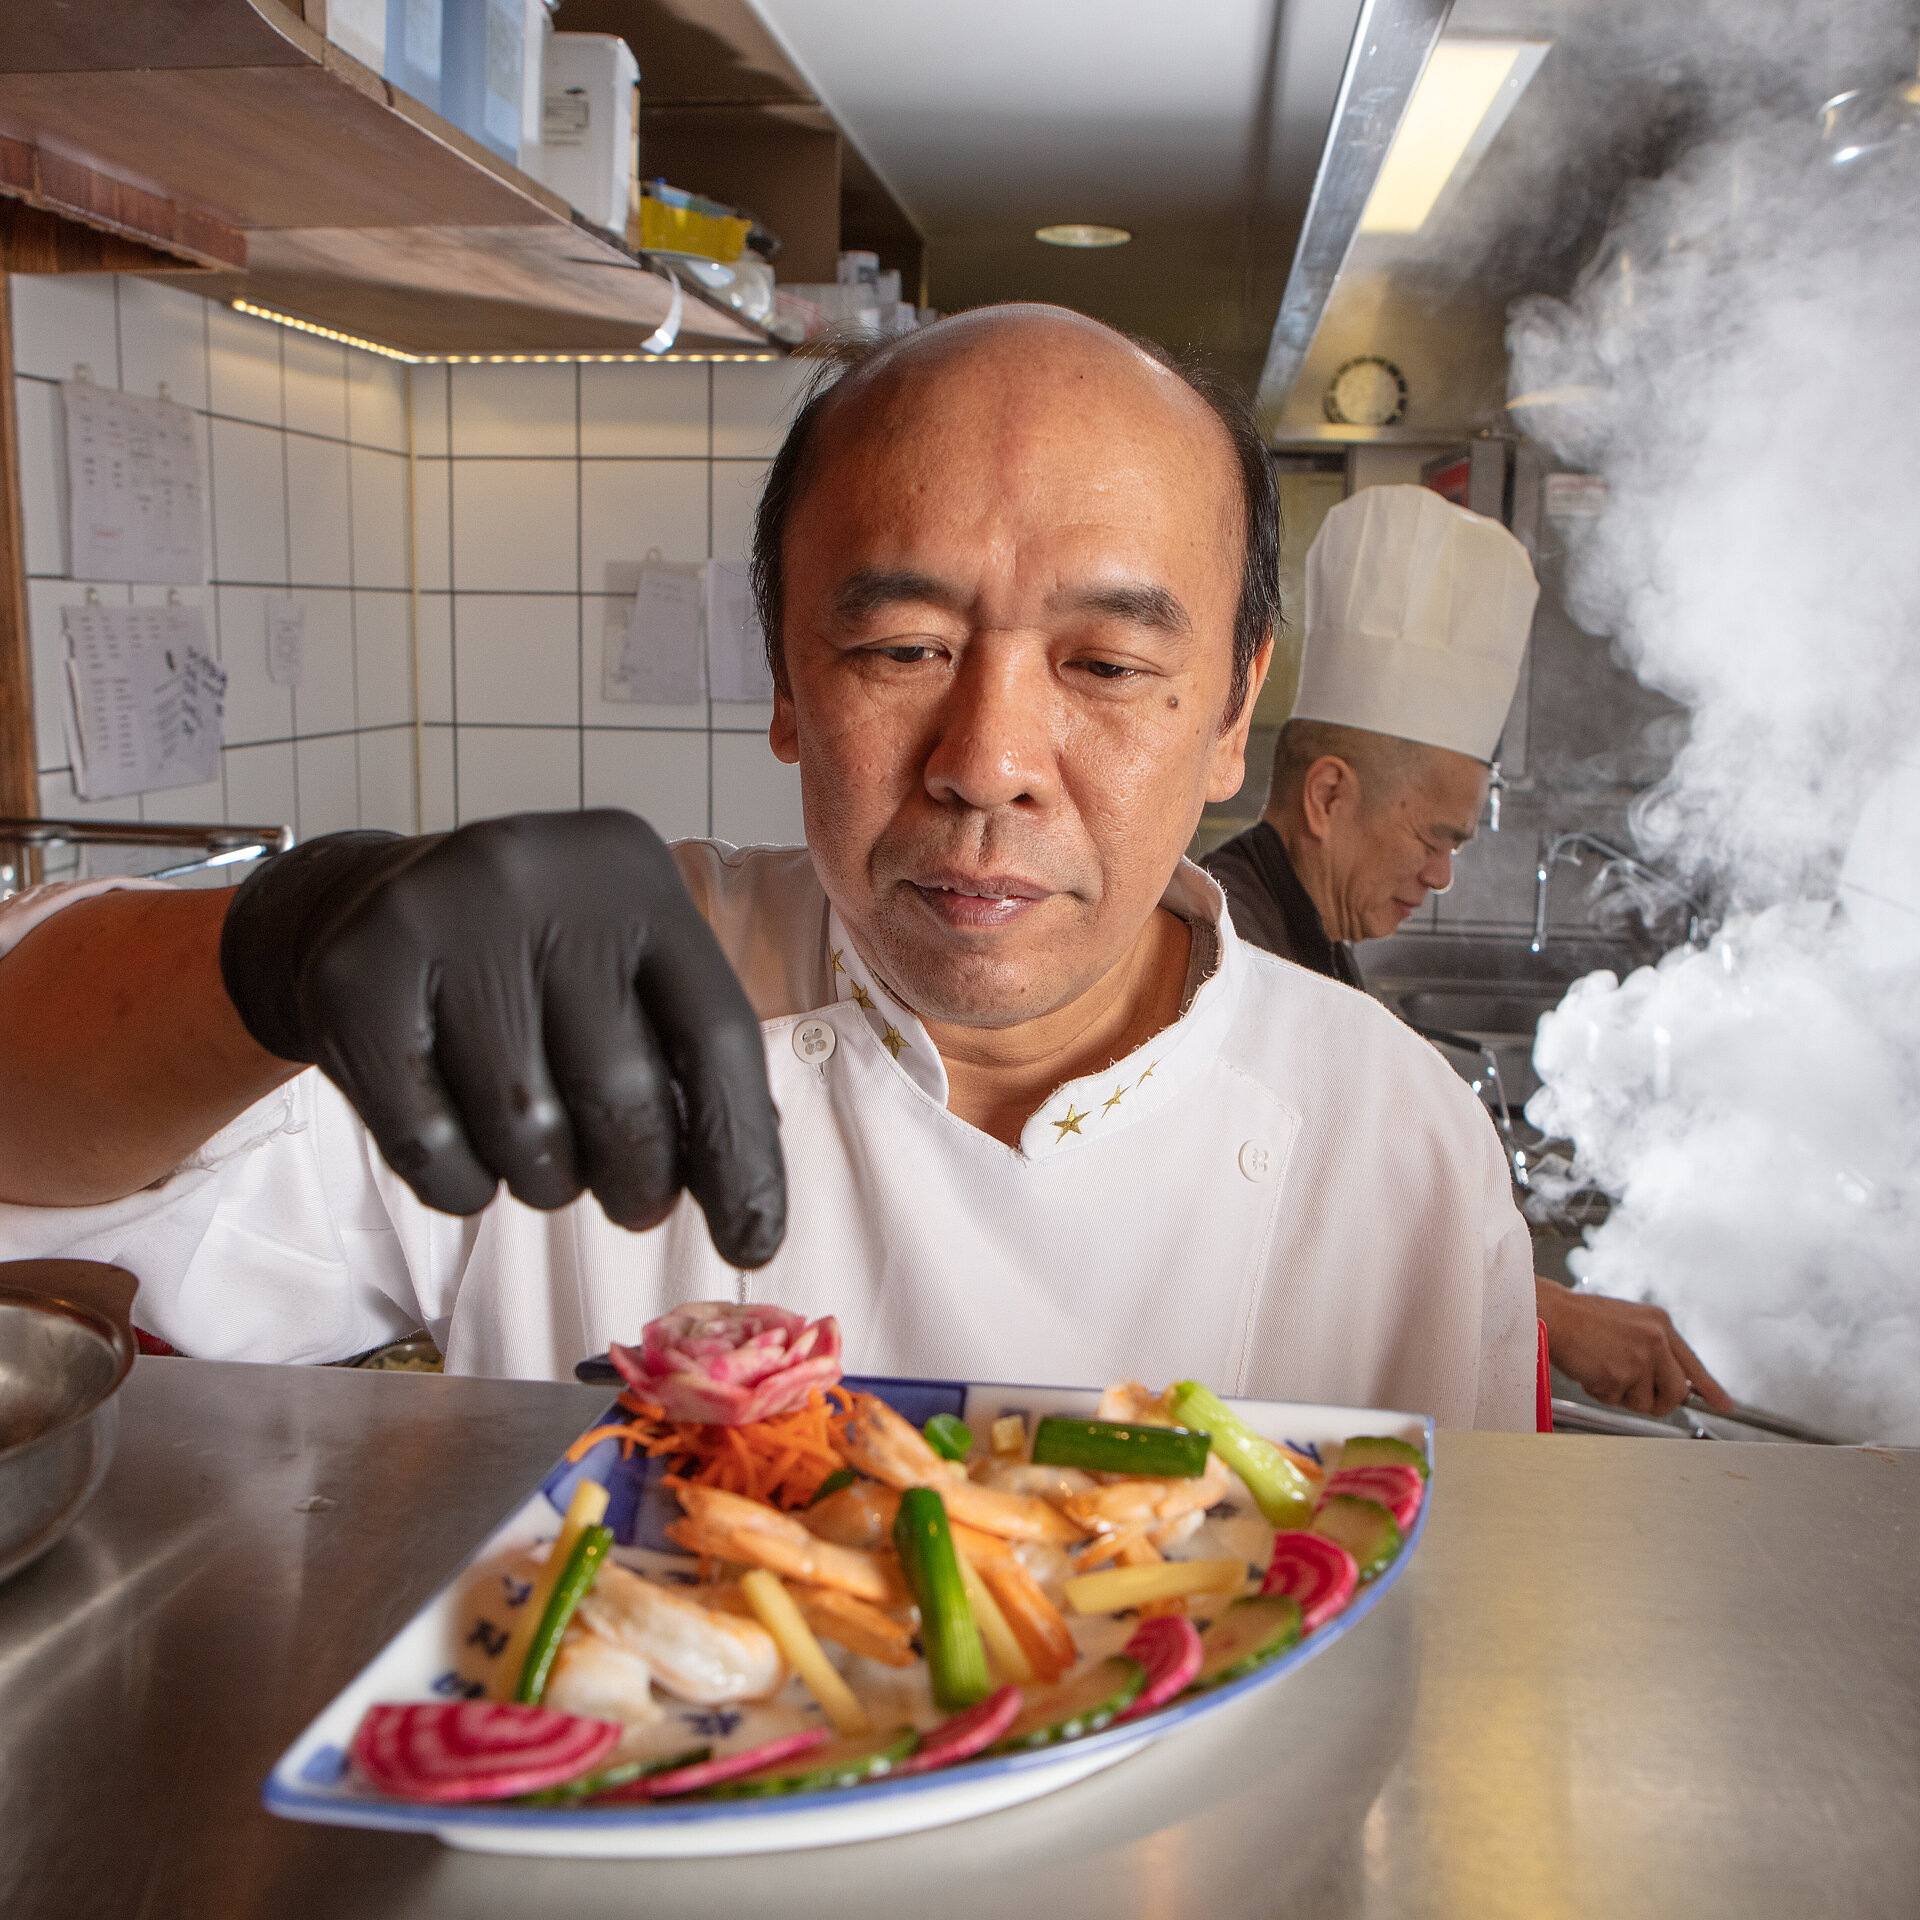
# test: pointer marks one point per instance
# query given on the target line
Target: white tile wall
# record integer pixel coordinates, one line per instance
(537, 491)
(519, 657)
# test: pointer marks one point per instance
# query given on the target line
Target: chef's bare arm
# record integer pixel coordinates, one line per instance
(120, 1052)
(534, 1000)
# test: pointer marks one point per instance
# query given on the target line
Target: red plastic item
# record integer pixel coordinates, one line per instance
(1169, 1649)
(476, 1749)
(1543, 1387)
(966, 1734)
(1319, 1573)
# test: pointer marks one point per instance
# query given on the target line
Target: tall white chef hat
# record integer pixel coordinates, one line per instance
(1417, 615)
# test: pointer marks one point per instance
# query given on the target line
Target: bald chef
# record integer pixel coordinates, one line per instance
(1416, 619)
(1041, 1114)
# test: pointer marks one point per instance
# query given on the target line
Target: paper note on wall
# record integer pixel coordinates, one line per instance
(655, 659)
(736, 652)
(138, 508)
(286, 641)
(144, 699)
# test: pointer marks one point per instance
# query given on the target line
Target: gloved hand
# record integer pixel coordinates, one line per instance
(533, 999)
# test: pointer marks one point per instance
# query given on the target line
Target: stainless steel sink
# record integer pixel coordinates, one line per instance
(1496, 1012)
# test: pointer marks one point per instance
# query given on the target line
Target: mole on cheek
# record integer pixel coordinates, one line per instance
(1173, 699)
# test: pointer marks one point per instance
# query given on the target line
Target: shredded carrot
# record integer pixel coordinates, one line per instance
(782, 1460)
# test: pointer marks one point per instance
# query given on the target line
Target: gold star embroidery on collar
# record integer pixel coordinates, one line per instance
(1119, 1094)
(861, 997)
(833, 959)
(1071, 1124)
(893, 1040)
(1145, 1077)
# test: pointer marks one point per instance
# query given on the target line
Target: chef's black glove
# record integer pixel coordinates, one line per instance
(533, 999)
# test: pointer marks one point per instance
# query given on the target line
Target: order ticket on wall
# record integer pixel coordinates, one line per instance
(138, 506)
(145, 699)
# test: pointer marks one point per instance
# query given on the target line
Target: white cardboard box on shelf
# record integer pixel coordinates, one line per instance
(586, 133)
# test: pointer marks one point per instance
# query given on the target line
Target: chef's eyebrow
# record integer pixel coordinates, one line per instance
(871, 589)
(1141, 604)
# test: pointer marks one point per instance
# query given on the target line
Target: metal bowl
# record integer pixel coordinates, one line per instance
(66, 1344)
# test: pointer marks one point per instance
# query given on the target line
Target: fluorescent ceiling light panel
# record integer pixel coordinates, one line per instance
(1462, 101)
(1079, 234)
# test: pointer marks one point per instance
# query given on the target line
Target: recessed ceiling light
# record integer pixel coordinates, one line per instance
(1075, 235)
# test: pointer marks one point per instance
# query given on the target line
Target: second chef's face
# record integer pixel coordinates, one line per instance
(1010, 588)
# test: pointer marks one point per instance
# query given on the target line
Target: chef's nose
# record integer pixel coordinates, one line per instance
(995, 744)
(1436, 872)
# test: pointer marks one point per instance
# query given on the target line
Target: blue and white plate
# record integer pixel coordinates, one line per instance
(445, 1652)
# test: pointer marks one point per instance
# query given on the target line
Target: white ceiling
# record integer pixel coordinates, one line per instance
(1197, 128)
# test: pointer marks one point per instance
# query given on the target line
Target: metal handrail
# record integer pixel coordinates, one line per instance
(219, 844)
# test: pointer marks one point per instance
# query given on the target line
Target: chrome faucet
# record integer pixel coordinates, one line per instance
(1566, 846)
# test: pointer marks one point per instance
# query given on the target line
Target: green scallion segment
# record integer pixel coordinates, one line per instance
(576, 1578)
(1107, 1446)
(951, 1439)
(1280, 1490)
(840, 1477)
(956, 1656)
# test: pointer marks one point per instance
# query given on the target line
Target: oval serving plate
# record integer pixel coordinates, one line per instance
(443, 1652)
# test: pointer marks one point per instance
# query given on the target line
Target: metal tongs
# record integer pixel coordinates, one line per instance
(1576, 1416)
(1765, 1422)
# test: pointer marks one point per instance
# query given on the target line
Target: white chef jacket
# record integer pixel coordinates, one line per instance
(1286, 1194)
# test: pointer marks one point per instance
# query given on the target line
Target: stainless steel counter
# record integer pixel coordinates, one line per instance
(1619, 1680)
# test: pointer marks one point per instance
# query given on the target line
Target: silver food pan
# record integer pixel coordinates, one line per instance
(66, 1344)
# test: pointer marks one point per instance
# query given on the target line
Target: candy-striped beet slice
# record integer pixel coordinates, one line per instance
(1317, 1572)
(965, 1734)
(1169, 1648)
(476, 1749)
(709, 1773)
(1398, 1489)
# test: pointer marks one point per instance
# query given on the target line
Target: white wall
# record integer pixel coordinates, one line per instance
(539, 490)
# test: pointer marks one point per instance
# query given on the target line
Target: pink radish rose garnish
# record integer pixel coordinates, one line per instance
(727, 1365)
(1317, 1572)
(476, 1749)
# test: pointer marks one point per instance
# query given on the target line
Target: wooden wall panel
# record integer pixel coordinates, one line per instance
(19, 786)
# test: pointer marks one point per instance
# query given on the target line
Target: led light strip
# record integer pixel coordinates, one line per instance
(484, 359)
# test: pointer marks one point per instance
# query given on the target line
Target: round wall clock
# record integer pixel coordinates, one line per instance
(1367, 392)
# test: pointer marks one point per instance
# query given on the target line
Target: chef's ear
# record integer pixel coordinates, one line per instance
(1329, 795)
(1228, 771)
(783, 730)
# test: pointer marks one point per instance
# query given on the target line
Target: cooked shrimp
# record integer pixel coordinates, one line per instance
(696, 1655)
(1036, 1622)
(860, 1515)
(600, 1679)
(731, 1527)
(1022, 1476)
(1128, 1403)
(878, 1442)
(857, 1625)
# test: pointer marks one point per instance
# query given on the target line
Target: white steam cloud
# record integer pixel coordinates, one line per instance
(1741, 355)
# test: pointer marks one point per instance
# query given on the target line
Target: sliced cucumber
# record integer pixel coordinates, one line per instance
(1364, 1527)
(1250, 1633)
(843, 1763)
(1376, 1450)
(1080, 1705)
(1109, 1446)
